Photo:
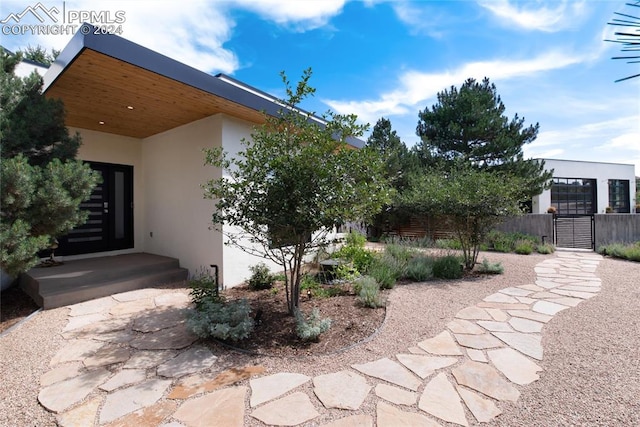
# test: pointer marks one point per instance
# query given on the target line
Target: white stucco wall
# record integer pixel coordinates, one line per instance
(177, 216)
(601, 172)
(122, 150)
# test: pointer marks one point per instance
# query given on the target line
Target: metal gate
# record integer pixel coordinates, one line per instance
(574, 231)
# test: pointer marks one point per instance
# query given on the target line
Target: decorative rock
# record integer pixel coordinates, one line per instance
(516, 292)
(503, 305)
(267, 388)
(75, 350)
(83, 415)
(514, 366)
(583, 288)
(198, 384)
(161, 319)
(149, 416)
(442, 344)
(98, 328)
(388, 370)
(532, 288)
(576, 294)
(482, 409)
(289, 411)
(125, 401)
(476, 355)
(108, 355)
(461, 326)
(546, 284)
(352, 421)
(124, 377)
(416, 350)
(342, 390)
(396, 395)
(549, 308)
(171, 338)
(485, 379)
(192, 360)
(526, 300)
(390, 416)
(148, 359)
(441, 400)
(500, 297)
(568, 301)
(490, 325)
(525, 325)
(424, 366)
(60, 373)
(528, 314)
(528, 344)
(479, 342)
(221, 408)
(497, 314)
(473, 313)
(82, 321)
(95, 306)
(61, 395)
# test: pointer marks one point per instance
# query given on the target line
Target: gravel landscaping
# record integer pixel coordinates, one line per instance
(591, 364)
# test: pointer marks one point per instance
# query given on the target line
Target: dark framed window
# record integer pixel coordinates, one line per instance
(574, 196)
(619, 195)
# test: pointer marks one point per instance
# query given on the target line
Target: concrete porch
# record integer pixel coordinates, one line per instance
(86, 279)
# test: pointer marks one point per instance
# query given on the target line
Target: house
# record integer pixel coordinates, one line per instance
(145, 119)
(585, 188)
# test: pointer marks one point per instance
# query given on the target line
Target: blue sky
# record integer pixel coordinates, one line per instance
(390, 58)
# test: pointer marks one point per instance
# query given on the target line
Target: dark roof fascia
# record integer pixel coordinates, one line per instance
(139, 56)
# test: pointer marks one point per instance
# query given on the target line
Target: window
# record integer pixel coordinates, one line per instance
(574, 196)
(619, 195)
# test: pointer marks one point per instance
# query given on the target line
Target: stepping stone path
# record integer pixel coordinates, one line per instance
(129, 359)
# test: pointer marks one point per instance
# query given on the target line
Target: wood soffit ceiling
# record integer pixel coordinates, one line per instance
(132, 101)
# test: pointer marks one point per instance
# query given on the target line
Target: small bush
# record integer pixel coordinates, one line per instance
(399, 252)
(386, 271)
(420, 269)
(546, 249)
(449, 244)
(369, 292)
(490, 268)
(203, 288)
(356, 240)
(447, 267)
(346, 272)
(221, 320)
(261, 277)
(310, 329)
(629, 252)
(359, 256)
(310, 283)
(524, 247)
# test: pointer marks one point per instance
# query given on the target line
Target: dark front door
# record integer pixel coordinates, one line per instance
(110, 222)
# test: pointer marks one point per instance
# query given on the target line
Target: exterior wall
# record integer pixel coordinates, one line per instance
(601, 172)
(123, 150)
(616, 228)
(540, 225)
(177, 218)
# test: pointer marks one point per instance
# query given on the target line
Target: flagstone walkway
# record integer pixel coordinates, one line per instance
(130, 360)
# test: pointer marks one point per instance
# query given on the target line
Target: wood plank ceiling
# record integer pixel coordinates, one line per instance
(108, 95)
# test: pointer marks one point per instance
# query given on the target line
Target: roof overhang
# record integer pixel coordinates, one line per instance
(110, 84)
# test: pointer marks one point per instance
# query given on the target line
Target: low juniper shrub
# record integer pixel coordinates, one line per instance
(447, 267)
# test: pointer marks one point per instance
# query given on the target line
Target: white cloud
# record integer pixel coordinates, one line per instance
(421, 19)
(302, 15)
(414, 87)
(556, 17)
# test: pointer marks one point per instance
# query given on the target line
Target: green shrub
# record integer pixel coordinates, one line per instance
(524, 247)
(448, 244)
(490, 268)
(386, 271)
(360, 257)
(346, 272)
(221, 320)
(355, 239)
(629, 252)
(369, 292)
(203, 288)
(399, 252)
(508, 242)
(420, 268)
(447, 267)
(310, 283)
(546, 248)
(261, 277)
(310, 329)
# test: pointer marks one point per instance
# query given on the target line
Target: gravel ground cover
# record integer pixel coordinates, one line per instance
(591, 364)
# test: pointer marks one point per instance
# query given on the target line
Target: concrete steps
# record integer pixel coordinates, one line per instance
(83, 280)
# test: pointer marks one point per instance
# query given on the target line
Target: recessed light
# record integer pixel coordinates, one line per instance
(129, 107)
(101, 122)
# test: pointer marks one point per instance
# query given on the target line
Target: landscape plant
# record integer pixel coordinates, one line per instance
(420, 268)
(203, 288)
(292, 181)
(487, 267)
(261, 277)
(448, 267)
(628, 251)
(369, 292)
(224, 320)
(310, 328)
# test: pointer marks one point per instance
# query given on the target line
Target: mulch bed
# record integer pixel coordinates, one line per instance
(275, 335)
(15, 305)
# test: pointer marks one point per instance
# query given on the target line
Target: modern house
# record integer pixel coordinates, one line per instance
(145, 119)
(585, 188)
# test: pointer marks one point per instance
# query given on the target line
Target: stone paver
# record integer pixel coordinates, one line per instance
(442, 344)
(388, 370)
(289, 411)
(342, 390)
(142, 338)
(222, 408)
(441, 400)
(267, 388)
(396, 395)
